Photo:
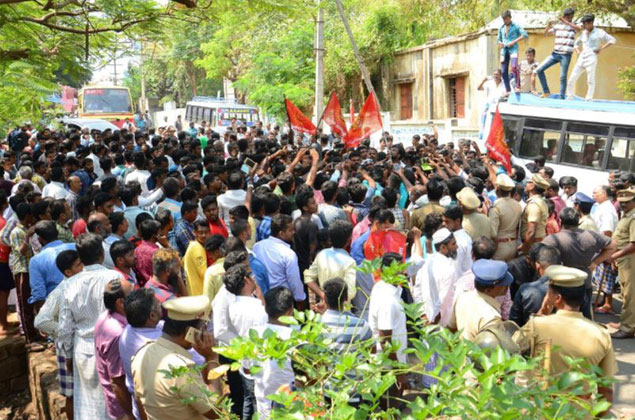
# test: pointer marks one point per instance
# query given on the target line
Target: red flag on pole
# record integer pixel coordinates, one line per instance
(297, 119)
(351, 117)
(496, 143)
(333, 116)
(367, 122)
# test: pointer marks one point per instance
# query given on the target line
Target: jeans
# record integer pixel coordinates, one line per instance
(249, 404)
(564, 60)
(508, 59)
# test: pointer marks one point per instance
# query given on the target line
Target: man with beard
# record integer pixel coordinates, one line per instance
(438, 276)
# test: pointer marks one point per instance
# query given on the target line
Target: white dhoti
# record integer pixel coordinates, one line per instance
(88, 401)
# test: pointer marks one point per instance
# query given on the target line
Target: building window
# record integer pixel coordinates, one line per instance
(405, 90)
(457, 97)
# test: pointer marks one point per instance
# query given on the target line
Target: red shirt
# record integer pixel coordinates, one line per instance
(4, 250)
(143, 267)
(218, 228)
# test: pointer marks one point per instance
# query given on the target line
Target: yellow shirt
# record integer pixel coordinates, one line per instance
(213, 279)
(155, 390)
(574, 336)
(195, 264)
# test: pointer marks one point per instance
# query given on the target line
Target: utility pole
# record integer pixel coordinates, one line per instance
(360, 62)
(319, 63)
(143, 83)
(114, 60)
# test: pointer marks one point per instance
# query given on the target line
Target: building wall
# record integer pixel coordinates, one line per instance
(475, 56)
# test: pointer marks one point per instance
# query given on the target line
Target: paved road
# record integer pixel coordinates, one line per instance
(625, 352)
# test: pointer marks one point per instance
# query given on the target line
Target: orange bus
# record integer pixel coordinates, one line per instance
(111, 103)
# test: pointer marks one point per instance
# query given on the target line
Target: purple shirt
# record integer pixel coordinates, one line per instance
(143, 268)
(108, 329)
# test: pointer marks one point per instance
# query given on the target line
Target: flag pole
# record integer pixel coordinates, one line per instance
(286, 109)
(317, 126)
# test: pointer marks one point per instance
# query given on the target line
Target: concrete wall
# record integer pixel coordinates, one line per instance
(476, 56)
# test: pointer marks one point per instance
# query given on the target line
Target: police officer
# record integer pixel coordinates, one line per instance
(475, 224)
(567, 330)
(625, 260)
(504, 217)
(582, 203)
(478, 309)
(154, 390)
(534, 218)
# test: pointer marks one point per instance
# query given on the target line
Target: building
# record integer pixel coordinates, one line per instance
(438, 81)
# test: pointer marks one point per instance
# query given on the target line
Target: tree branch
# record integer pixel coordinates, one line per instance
(44, 21)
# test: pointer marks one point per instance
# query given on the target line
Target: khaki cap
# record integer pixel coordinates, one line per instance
(565, 276)
(625, 196)
(539, 181)
(504, 182)
(188, 308)
(468, 198)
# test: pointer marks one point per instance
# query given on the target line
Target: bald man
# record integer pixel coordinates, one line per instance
(99, 224)
(74, 187)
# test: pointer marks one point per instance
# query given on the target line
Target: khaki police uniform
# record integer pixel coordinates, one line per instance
(419, 215)
(568, 333)
(536, 212)
(474, 311)
(162, 397)
(477, 225)
(504, 218)
(625, 234)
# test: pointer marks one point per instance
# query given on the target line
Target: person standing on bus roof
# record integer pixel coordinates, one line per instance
(508, 37)
(592, 41)
(564, 31)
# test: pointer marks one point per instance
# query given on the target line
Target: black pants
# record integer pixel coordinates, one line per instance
(235, 382)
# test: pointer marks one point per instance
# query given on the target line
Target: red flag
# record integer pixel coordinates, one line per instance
(351, 117)
(297, 119)
(496, 143)
(367, 122)
(381, 242)
(333, 116)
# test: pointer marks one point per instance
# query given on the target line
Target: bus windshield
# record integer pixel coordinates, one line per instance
(107, 100)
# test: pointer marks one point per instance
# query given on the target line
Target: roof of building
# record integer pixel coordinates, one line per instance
(530, 19)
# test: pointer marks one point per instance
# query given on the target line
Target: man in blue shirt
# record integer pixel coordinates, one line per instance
(508, 37)
(44, 274)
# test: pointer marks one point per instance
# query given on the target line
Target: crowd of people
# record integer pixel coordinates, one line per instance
(136, 251)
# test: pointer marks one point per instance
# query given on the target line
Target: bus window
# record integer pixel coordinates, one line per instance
(207, 114)
(585, 144)
(540, 142)
(199, 113)
(510, 125)
(622, 152)
(188, 113)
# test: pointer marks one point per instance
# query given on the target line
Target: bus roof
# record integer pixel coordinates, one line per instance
(212, 101)
(104, 87)
(598, 111)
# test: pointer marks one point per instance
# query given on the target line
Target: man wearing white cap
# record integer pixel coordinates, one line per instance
(436, 279)
(154, 391)
(567, 330)
(475, 224)
(504, 217)
(478, 309)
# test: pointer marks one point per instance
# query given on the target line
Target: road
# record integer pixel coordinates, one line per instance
(625, 352)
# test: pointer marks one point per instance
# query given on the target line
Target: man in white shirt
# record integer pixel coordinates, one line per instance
(234, 196)
(245, 312)
(82, 304)
(588, 45)
(387, 318)
(452, 220)
(435, 281)
(494, 89)
(56, 188)
(603, 213)
(140, 174)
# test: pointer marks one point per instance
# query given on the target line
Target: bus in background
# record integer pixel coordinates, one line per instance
(584, 139)
(220, 113)
(111, 103)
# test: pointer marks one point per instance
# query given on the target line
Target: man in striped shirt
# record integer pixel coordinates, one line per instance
(565, 32)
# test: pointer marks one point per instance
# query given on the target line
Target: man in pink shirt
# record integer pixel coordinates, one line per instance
(149, 230)
(108, 329)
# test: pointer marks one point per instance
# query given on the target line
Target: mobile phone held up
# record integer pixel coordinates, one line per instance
(192, 334)
(248, 166)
